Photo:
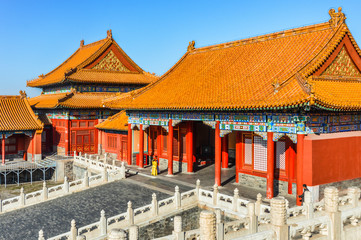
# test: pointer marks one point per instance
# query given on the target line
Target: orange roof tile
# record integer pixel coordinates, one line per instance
(16, 114)
(118, 122)
(269, 71)
(105, 53)
(70, 100)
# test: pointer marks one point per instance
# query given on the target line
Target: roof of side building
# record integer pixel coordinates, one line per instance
(98, 62)
(16, 114)
(117, 122)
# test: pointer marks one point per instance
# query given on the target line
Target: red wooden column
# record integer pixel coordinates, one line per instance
(270, 164)
(299, 180)
(239, 153)
(218, 155)
(170, 147)
(3, 149)
(189, 147)
(33, 147)
(141, 146)
(225, 151)
(291, 167)
(129, 139)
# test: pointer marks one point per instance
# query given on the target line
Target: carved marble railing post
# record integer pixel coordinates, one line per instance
(105, 175)
(41, 235)
(103, 223)
(22, 197)
(45, 191)
(154, 204)
(215, 194)
(308, 204)
(354, 195)
(79, 154)
(177, 198)
(207, 223)
(97, 159)
(235, 199)
(117, 234)
(81, 237)
(219, 224)
(253, 219)
(122, 171)
(105, 157)
(279, 218)
(73, 231)
(1, 205)
(133, 232)
(113, 162)
(198, 186)
(331, 207)
(74, 155)
(258, 204)
(86, 155)
(86, 179)
(177, 232)
(130, 213)
(66, 185)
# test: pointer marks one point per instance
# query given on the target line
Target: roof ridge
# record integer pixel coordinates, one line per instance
(266, 37)
(35, 117)
(9, 97)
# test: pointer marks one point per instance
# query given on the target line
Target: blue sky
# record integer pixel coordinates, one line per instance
(36, 36)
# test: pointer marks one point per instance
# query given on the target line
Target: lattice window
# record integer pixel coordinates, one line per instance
(260, 154)
(281, 155)
(112, 142)
(248, 153)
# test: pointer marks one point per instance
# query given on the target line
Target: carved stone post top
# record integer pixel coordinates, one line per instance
(130, 204)
(44, 184)
(73, 223)
(308, 197)
(21, 190)
(278, 211)
(331, 199)
(177, 224)
(198, 183)
(102, 213)
(154, 196)
(176, 189)
(251, 208)
(65, 179)
(236, 192)
(117, 234)
(259, 197)
(215, 187)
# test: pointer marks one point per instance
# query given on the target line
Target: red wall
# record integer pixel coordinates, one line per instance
(332, 158)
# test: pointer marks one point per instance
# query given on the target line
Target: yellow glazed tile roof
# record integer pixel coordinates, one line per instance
(97, 62)
(70, 100)
(16, 114)
(269, 71)
(118, 122)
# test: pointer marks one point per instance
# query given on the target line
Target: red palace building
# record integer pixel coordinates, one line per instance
(20, 129)
(70, 105)
(284, 108)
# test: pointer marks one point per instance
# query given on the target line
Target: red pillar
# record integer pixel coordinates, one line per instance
(299, 181)
(225, 151)
(291, 174)
(270, 164)
(33, 147)
(3, 149)
(239, 154)
(218, 155)
(189, 148)
(129, 150)
(170, 147)
(141, 146)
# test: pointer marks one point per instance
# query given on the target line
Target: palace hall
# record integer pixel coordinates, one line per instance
(284, 108)
(70, 105)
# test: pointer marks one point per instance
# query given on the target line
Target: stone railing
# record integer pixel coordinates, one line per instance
(96, 164)
(166, 207)
(24, 200)
(333, 218)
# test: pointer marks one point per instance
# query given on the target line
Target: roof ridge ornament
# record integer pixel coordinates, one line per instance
(82, 43)
(22, 94)
(336, 17)
(191, 46)
(109, 34)
(276, 85)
